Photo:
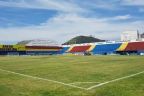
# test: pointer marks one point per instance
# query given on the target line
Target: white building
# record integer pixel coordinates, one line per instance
(130, 36)
(142, 37)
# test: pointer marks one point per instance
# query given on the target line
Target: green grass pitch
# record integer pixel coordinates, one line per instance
(71, 75)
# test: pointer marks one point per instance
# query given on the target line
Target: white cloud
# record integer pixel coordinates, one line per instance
(133, 2)
(99, 4)
(124, 17)
(118, 18)
(67, 24)
(61, 28)
(59, 5)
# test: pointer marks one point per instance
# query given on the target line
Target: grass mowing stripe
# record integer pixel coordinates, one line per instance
(44, 79)
(101, 84)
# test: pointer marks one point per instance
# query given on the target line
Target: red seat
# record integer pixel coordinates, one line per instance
(80, 48)
(135, 46)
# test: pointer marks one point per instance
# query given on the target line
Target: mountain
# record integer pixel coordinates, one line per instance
(83, 39)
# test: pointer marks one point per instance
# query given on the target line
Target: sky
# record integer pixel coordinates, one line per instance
(61, 20)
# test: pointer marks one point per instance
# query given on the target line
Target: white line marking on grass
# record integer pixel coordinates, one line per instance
(83, 82)
(101, 84)
(44, 79)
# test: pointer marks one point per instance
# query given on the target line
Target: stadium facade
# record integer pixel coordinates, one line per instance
(47, 48)
(104, 48)
(35, 47)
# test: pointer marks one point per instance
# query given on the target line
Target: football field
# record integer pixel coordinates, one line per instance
(72, 75)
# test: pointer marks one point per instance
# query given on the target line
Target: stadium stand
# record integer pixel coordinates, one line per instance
(135, 46)
(82, 48)
(19, 47)
(1, 46)
(42, 50)
(64, 49)
(106, 48)
(91, 48)
(123, 46)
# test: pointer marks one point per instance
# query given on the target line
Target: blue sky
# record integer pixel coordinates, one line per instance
(61, 20)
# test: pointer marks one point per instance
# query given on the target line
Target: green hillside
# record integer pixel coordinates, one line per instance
(83, 39)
